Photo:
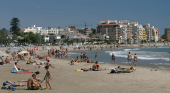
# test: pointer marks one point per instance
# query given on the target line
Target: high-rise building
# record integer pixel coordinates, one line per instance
(167, 33)
(152, 33)
(111, 28)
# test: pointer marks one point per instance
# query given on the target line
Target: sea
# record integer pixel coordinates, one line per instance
(157, 57)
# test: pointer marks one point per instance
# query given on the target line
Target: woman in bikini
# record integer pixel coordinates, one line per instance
(135, 59)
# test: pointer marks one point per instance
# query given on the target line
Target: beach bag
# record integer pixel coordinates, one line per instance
(13, 70)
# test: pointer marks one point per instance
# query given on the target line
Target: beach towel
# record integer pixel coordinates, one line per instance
(13, 70)
(22, 81)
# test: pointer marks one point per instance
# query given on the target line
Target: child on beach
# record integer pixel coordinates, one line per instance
(48, 77)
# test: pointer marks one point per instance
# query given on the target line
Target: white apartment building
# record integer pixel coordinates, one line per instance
(55, 31)
(49, 31)
(140, 32)
(33, 29)
(123, 29)
(151, 32)
(135, 32)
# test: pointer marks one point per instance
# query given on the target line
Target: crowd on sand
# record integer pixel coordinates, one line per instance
(31, 56)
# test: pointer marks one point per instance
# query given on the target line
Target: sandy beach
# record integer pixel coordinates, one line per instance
(66, 80)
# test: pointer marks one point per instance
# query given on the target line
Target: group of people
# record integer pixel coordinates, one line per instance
(83, 58)
(58, 54)
(34, 82)
(129, 58)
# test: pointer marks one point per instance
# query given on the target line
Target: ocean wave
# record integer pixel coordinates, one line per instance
(101, 62)
(72, 53)
(161, 64)
(131, 49)
(163, 47)
(144, 55)
(125, 62)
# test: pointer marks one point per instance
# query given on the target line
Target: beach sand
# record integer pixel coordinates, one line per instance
(66, 80)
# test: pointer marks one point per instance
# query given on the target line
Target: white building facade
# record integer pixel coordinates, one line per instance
(33, 29)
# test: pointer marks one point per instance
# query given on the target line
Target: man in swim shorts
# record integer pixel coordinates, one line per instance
(129, 58)
(33, 84)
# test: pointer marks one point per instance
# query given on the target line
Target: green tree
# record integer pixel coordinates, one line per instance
(90, 35)
(3, 35)
(14, 37)
(62, 36)
(128, 40)
(20, 34)
(163, 36)
(94, 31)
(15, 23)
(166, 40)
(51, 34)
(152, 40)
(82, 41)
(143, 41)
(107, 41)
(99, 40)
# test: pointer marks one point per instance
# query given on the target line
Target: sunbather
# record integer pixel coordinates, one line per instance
(19, 84)
(86, 69)
(20, 68)
(131, 68)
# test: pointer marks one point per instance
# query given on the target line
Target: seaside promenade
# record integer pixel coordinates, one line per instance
(66, 80)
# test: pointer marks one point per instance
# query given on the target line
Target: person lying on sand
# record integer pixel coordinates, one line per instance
(121, 68)
(20, 68)
(33, 84)
(19, 84)
(131, 68)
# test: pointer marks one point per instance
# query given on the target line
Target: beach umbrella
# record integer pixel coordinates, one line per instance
(23, 52)
(9, 48)
(15, 50)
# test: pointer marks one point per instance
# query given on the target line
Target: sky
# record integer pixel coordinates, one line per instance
(64, 13)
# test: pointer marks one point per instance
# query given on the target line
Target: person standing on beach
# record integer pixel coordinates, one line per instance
(113, 57)
(129, 58)
(96, 55)
(48, 77)
(135, 59)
